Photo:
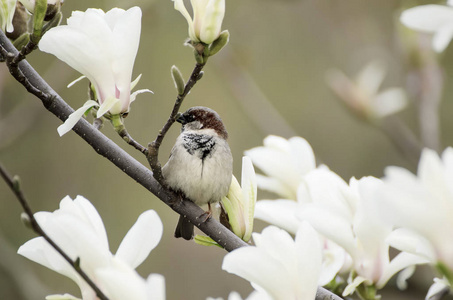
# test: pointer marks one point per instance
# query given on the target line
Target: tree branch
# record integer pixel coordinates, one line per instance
(33, 82)
(14, 186)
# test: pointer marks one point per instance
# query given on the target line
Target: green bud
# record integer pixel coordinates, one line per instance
(178, 79)
(26, 220)
(219, 43)
(38, 20)
(22, 41)
(16, 183)
(205, 241)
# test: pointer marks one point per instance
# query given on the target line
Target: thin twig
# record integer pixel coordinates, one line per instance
(121, 130)
(153, 147)
(15, 187)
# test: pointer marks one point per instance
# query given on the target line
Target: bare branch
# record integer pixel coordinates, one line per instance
(15, 187)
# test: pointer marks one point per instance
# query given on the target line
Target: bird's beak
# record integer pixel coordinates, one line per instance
(180, 118)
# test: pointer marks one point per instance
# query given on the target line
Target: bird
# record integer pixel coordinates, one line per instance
(200, 164)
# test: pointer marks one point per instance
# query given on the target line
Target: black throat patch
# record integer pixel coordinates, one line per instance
(200, 145)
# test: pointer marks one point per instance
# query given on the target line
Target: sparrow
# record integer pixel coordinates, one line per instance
(200, 164)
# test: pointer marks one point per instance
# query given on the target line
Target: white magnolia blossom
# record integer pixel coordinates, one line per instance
(77, 228)
(347, 216)
(7, 9)
(240, 201)
(278, 265)
(362, 94)
(285, 162)
(102, 46)
(422, 207)
(207, 19)
(432, 18)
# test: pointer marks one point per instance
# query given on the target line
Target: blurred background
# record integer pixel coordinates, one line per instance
(271, 79)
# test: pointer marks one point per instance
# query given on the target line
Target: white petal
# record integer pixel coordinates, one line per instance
(389, 102)
(260, 268)
(409, 241)
(370, 78)
(179, 6)
(75, 117)
(309, 261)
(62, 297)
(249, 190)
(122, 284)
(135, 82)
(302, 155)
(280, 213)
(75, 81)
(134, 94)
(427, 18)
(155, 285)
(273, 185)
(212, 21)
(401, 261)
(443, 37)
(437, 287)
(143, 237)
(112, 104)
(350, 288)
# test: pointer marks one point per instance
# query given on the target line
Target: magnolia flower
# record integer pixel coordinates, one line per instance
(436, 19)
(7, 9)
(278, 265)
(207, 19)
(285, 162)
(240, 201)
(348, 218)
(77, 228)
(422, 206)
(101, 46)
(362, 94)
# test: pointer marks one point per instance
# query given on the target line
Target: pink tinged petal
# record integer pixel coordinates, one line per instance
(443, 37)
(280, 213)
(155, 287)
(428, 18)
(309, 261)
(73, 118)
(212, 21)
(143, 237)
(127, 30)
